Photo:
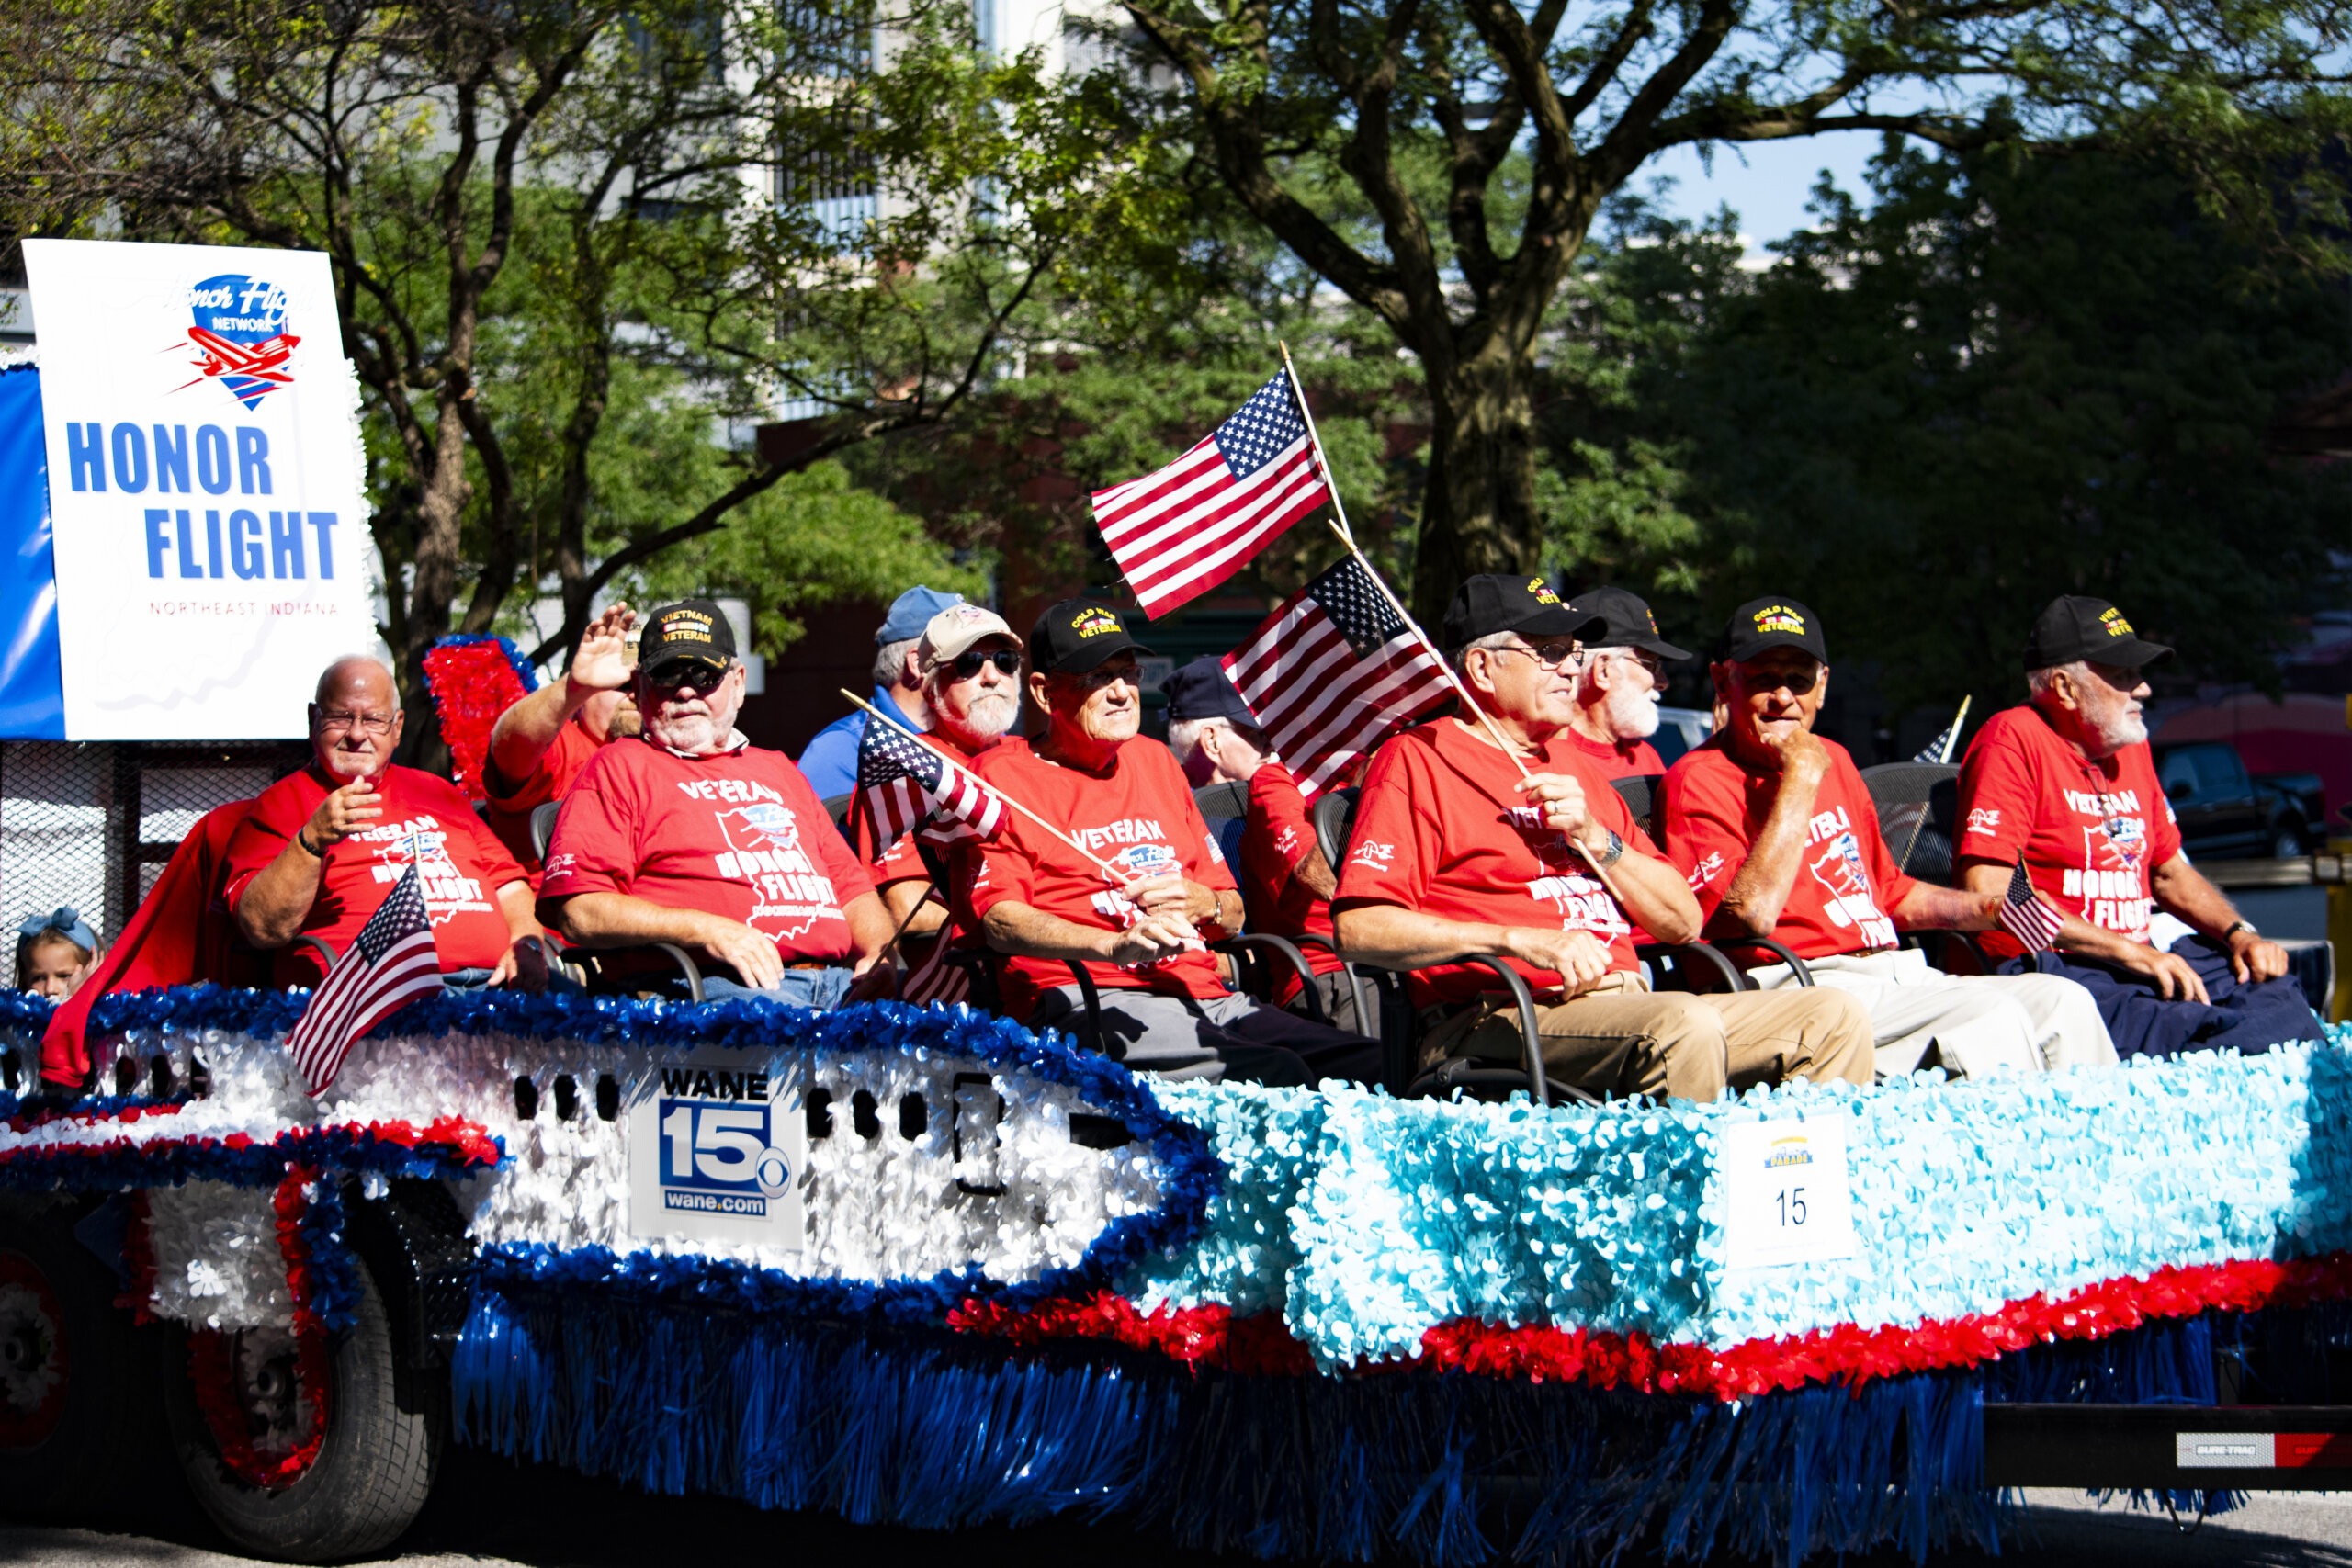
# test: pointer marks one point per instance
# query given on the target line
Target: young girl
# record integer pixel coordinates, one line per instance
(54, 953)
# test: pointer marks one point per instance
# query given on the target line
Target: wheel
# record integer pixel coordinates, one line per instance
(69, 1370)
(302, 1451)
(2287, 842)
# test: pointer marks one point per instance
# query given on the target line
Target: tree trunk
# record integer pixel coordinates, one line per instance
(434, 570)
(1479, 511)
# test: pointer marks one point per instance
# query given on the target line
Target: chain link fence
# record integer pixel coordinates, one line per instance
(89, 824)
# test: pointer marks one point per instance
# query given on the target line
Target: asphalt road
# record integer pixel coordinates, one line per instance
(488, 1512)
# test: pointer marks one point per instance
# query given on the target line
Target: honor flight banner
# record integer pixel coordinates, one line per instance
(205, 485)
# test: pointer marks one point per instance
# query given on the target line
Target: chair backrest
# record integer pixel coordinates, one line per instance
(1222, 801)
(1917, 805)
(543, 827)
(1335, 820)
(1640, 792)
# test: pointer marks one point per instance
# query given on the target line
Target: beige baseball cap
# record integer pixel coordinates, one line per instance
(954, 629)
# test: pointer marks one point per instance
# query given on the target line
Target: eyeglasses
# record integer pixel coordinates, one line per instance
(1551, 656)
(366, 723)
(1650, 662)
(701, 677)
(1798, 678)
(969, 664)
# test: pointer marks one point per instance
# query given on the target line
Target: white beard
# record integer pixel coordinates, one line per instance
(1631, 715)
(983, 723)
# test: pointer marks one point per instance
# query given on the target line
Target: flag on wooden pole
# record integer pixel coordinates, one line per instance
(900, 781)
(1180, 531)
(392, 961)
(1332, 671)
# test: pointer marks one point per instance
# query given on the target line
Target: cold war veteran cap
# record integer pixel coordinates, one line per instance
(952, 632)
(1627, 622)
(1494, 602)
(2076, 627)
(1202, 690)
(695, 629)
(1772, 622)
(1077, 635)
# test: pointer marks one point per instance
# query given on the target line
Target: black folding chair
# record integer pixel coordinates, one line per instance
(1924, 798)
(1639, 792)
(585, 964)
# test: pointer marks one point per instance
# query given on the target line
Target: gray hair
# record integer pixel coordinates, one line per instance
(1184, 735)
(1459, 656)
(2039, 682)
(890, 660)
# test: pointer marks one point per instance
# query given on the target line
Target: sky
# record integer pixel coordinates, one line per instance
(1766, 182)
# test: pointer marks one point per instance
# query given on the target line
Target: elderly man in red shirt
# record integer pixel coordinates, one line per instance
(1622, 678)
(320, 848)
(1775, 830)
(1140, 930)
(541, 741)
(1454, 853)
(2065, 783)
(690, 834)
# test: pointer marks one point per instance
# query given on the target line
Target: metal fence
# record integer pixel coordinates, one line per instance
(90, 825)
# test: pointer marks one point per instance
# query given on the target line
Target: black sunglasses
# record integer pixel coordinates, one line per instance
(1006, 659)
(687, 673)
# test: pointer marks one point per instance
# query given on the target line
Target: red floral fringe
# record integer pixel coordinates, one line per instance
(471, 685)
(1212, 1336)
(211, 1372)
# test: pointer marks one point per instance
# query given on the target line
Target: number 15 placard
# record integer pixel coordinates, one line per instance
(1787, 1195)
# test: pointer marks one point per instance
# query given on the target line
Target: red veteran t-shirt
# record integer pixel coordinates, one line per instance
(2092, 833)
(1138, 815)
(509, 808)
(1442, 828)
(461, 866)
(739, 833)
(1710, 810)
(1277, 833)
(1618, 760)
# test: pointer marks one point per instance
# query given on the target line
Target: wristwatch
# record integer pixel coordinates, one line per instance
(2237, 926)
(1616, 850)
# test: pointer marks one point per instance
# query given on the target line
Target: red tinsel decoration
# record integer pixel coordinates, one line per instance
(471, 685)
(211, 1372)
(1211, 1335)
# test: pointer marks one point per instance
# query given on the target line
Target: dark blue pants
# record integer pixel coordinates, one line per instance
(2246, 1019)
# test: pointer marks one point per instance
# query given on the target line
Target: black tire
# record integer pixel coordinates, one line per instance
(374, 1467)
(2287, 842)
(70, 1365)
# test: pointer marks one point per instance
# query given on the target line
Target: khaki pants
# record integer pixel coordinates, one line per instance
(1976, 1024)
(1621, 1037)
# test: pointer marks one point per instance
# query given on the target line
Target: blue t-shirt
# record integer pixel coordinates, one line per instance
(830, 764)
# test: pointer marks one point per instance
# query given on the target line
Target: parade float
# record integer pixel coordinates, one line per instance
(925, 1267)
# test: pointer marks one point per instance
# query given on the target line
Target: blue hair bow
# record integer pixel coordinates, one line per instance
(66, 922)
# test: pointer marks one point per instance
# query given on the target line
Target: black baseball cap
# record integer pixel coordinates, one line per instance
(1627, 622)
(1768, 623)
(1202, 690)
(2077, 626)
(693, 629)
(1494, 602)
(1077, 635)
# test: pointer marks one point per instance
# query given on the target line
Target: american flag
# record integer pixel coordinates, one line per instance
(936, 980)
(1941, 749)
(391, 962)
(900, 781)
(2027, 918)
(1332, 671)
(1180, 532)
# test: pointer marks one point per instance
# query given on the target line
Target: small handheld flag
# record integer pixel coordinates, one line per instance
(1179, 532)
(392, 961)
(1941, 749)
(900, 781)
(1332, 671)
(2027, 918)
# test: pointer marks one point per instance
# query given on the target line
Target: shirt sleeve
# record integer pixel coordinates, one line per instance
(1702, 815)
(593, 847)
(498, 863)
(1998, 800)
(1001, 871)
(1275, 805)
(260, 839)
(1387, 854)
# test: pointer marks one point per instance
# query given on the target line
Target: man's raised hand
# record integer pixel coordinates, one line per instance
(601, 662)
(342, 813)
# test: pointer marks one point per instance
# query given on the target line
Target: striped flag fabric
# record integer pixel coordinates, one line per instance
(936, 980)
(1180, 531)
(901, 780)
(392, 961)
(1332, 671)
(2027, 918)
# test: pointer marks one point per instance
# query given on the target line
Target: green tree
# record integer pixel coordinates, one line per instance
(1441, 162)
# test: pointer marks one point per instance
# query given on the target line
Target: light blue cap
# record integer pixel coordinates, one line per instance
(912, 611)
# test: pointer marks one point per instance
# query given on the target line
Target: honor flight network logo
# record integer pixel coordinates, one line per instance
(240, 337)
